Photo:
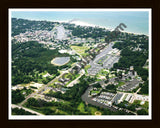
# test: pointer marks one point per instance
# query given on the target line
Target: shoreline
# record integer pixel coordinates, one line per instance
(82, 23)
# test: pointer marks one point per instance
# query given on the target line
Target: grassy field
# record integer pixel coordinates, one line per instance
(46, 91)
(73, 78)
(81, 107)
(120, 84)
(102, 60)
(103, 72)
(102, 40)
(98, 113)
(68, 75)
(125, 96)
(146, 105)
(146, 67)
(80, 49)
(87, 67)
(92, 110)
(97, 91)
(43, 109)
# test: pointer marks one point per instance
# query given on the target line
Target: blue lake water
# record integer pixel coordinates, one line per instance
(136, 21)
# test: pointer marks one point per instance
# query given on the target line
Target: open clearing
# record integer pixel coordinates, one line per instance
(97, 113)
(80, 49)
(81, 107)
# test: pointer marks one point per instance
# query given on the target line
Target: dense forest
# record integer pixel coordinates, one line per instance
(136, 58)
(31, 58)
(86, 32)
(133, 106)
(17, 111)
(19, 95)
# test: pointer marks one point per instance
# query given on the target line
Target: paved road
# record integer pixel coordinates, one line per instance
(42, 88)
(108, 63)
(89, 100)
(26, 109)
(138, 90)
(75, 81)
(104, 52)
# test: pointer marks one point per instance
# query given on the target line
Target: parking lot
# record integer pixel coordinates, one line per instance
(103, 60)
(129, 86)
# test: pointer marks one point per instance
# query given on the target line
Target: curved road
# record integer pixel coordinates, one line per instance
(89, 100)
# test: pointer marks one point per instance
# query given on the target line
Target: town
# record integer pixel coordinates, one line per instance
(90, 72)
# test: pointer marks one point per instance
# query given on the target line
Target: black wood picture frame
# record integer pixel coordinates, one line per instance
(6, 4)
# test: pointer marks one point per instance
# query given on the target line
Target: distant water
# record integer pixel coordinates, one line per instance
(136, 21)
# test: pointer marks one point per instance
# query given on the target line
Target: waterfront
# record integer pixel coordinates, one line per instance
(136, 21)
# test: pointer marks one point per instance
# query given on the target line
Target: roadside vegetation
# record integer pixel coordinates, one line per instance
(17, 111)
(136, 58)
(19, 95)
(30, 59)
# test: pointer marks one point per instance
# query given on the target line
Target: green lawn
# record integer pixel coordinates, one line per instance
(125, 96)
(137, 102)
(102, 40)
(92, 110)
(120, 84)
(97, 91)
(73, 78)
(68, 75)
(81, 107)
(99, 62)
(43, 109)
(103, 72)
(80, 49)
(98, 79)
(146, 105)
(87, 67)
(43, 73)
